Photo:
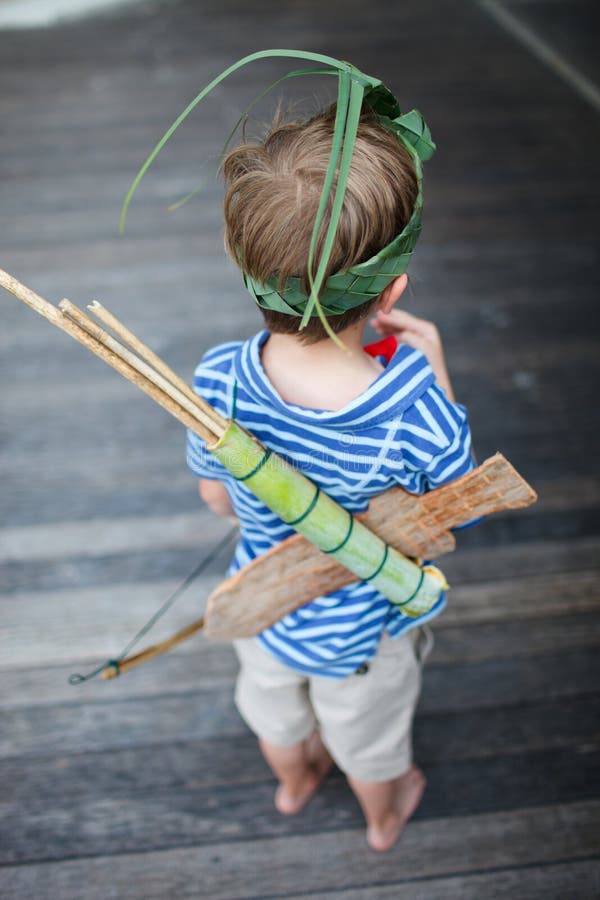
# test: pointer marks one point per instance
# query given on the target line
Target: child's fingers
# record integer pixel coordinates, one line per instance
(399, 321)
(399, 316)
(402, 319)
(414, 340)
(380, 329)
(391, 322)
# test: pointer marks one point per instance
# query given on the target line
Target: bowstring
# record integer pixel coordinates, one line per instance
(214, 552)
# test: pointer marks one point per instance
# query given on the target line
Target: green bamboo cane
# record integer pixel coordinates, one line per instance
(301, 504)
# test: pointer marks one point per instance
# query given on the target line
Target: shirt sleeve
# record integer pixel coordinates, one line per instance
(200, 461)
(436, 440)
(213, 382)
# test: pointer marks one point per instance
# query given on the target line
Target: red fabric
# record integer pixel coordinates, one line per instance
(386, 347)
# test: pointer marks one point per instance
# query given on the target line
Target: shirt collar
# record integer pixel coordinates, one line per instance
(406, 376)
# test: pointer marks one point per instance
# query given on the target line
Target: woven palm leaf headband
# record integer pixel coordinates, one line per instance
(363, 282)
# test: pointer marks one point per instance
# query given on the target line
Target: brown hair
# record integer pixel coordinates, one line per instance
(273, 191)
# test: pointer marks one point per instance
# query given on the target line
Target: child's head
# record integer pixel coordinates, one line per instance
(273, 193)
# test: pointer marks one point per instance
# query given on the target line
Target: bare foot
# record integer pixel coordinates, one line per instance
(319, 763)
(410, 790)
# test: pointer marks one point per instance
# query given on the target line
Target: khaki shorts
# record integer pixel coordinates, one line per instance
(365, 720)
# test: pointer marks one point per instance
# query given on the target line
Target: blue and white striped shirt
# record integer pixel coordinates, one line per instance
(401, 431)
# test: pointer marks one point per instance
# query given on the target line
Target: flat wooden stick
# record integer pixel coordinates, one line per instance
(128, 337)
(195, 409)
(294, 572)
(120, 666)
(56, 317)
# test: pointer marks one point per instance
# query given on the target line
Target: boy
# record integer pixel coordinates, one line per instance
(339, 678)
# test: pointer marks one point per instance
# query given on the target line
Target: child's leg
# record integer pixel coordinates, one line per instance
(366, 722)
(274, 702)
(300, 770)
(388, 805)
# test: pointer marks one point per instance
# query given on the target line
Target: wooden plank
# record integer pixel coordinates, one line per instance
(567, 492)
(144, 451)
(517, 429)
(198, 664)
(492, 731)
(571, 36)
(167, 489)
(76, 624)
(79, 626)
(135, 568)
(170, 487)
(102, 270)
(83, 623)
(509, 682)
(202, 666)
(101, 537)
(554, 881)
(521, 598)
(512, 528)
(560, 729)
(508, 561)
(511, 639)
(439, 848)
(111, 723)
(201, 712)
(187, 815)
(207, 664)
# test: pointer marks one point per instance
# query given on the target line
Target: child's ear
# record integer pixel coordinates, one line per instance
(392, 293)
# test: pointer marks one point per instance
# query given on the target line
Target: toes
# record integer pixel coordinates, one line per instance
(384, 841)
(285, 804)
(289, 805)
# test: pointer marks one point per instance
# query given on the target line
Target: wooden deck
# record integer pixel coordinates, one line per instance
(151, 786)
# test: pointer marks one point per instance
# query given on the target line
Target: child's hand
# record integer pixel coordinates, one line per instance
(417, 333)
(215, 495)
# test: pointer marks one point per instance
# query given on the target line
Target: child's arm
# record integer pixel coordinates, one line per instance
(215, 496)
(421, 335)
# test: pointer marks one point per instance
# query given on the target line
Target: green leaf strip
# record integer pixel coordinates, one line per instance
(349, 138)
(261, 54)
(336, 148)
